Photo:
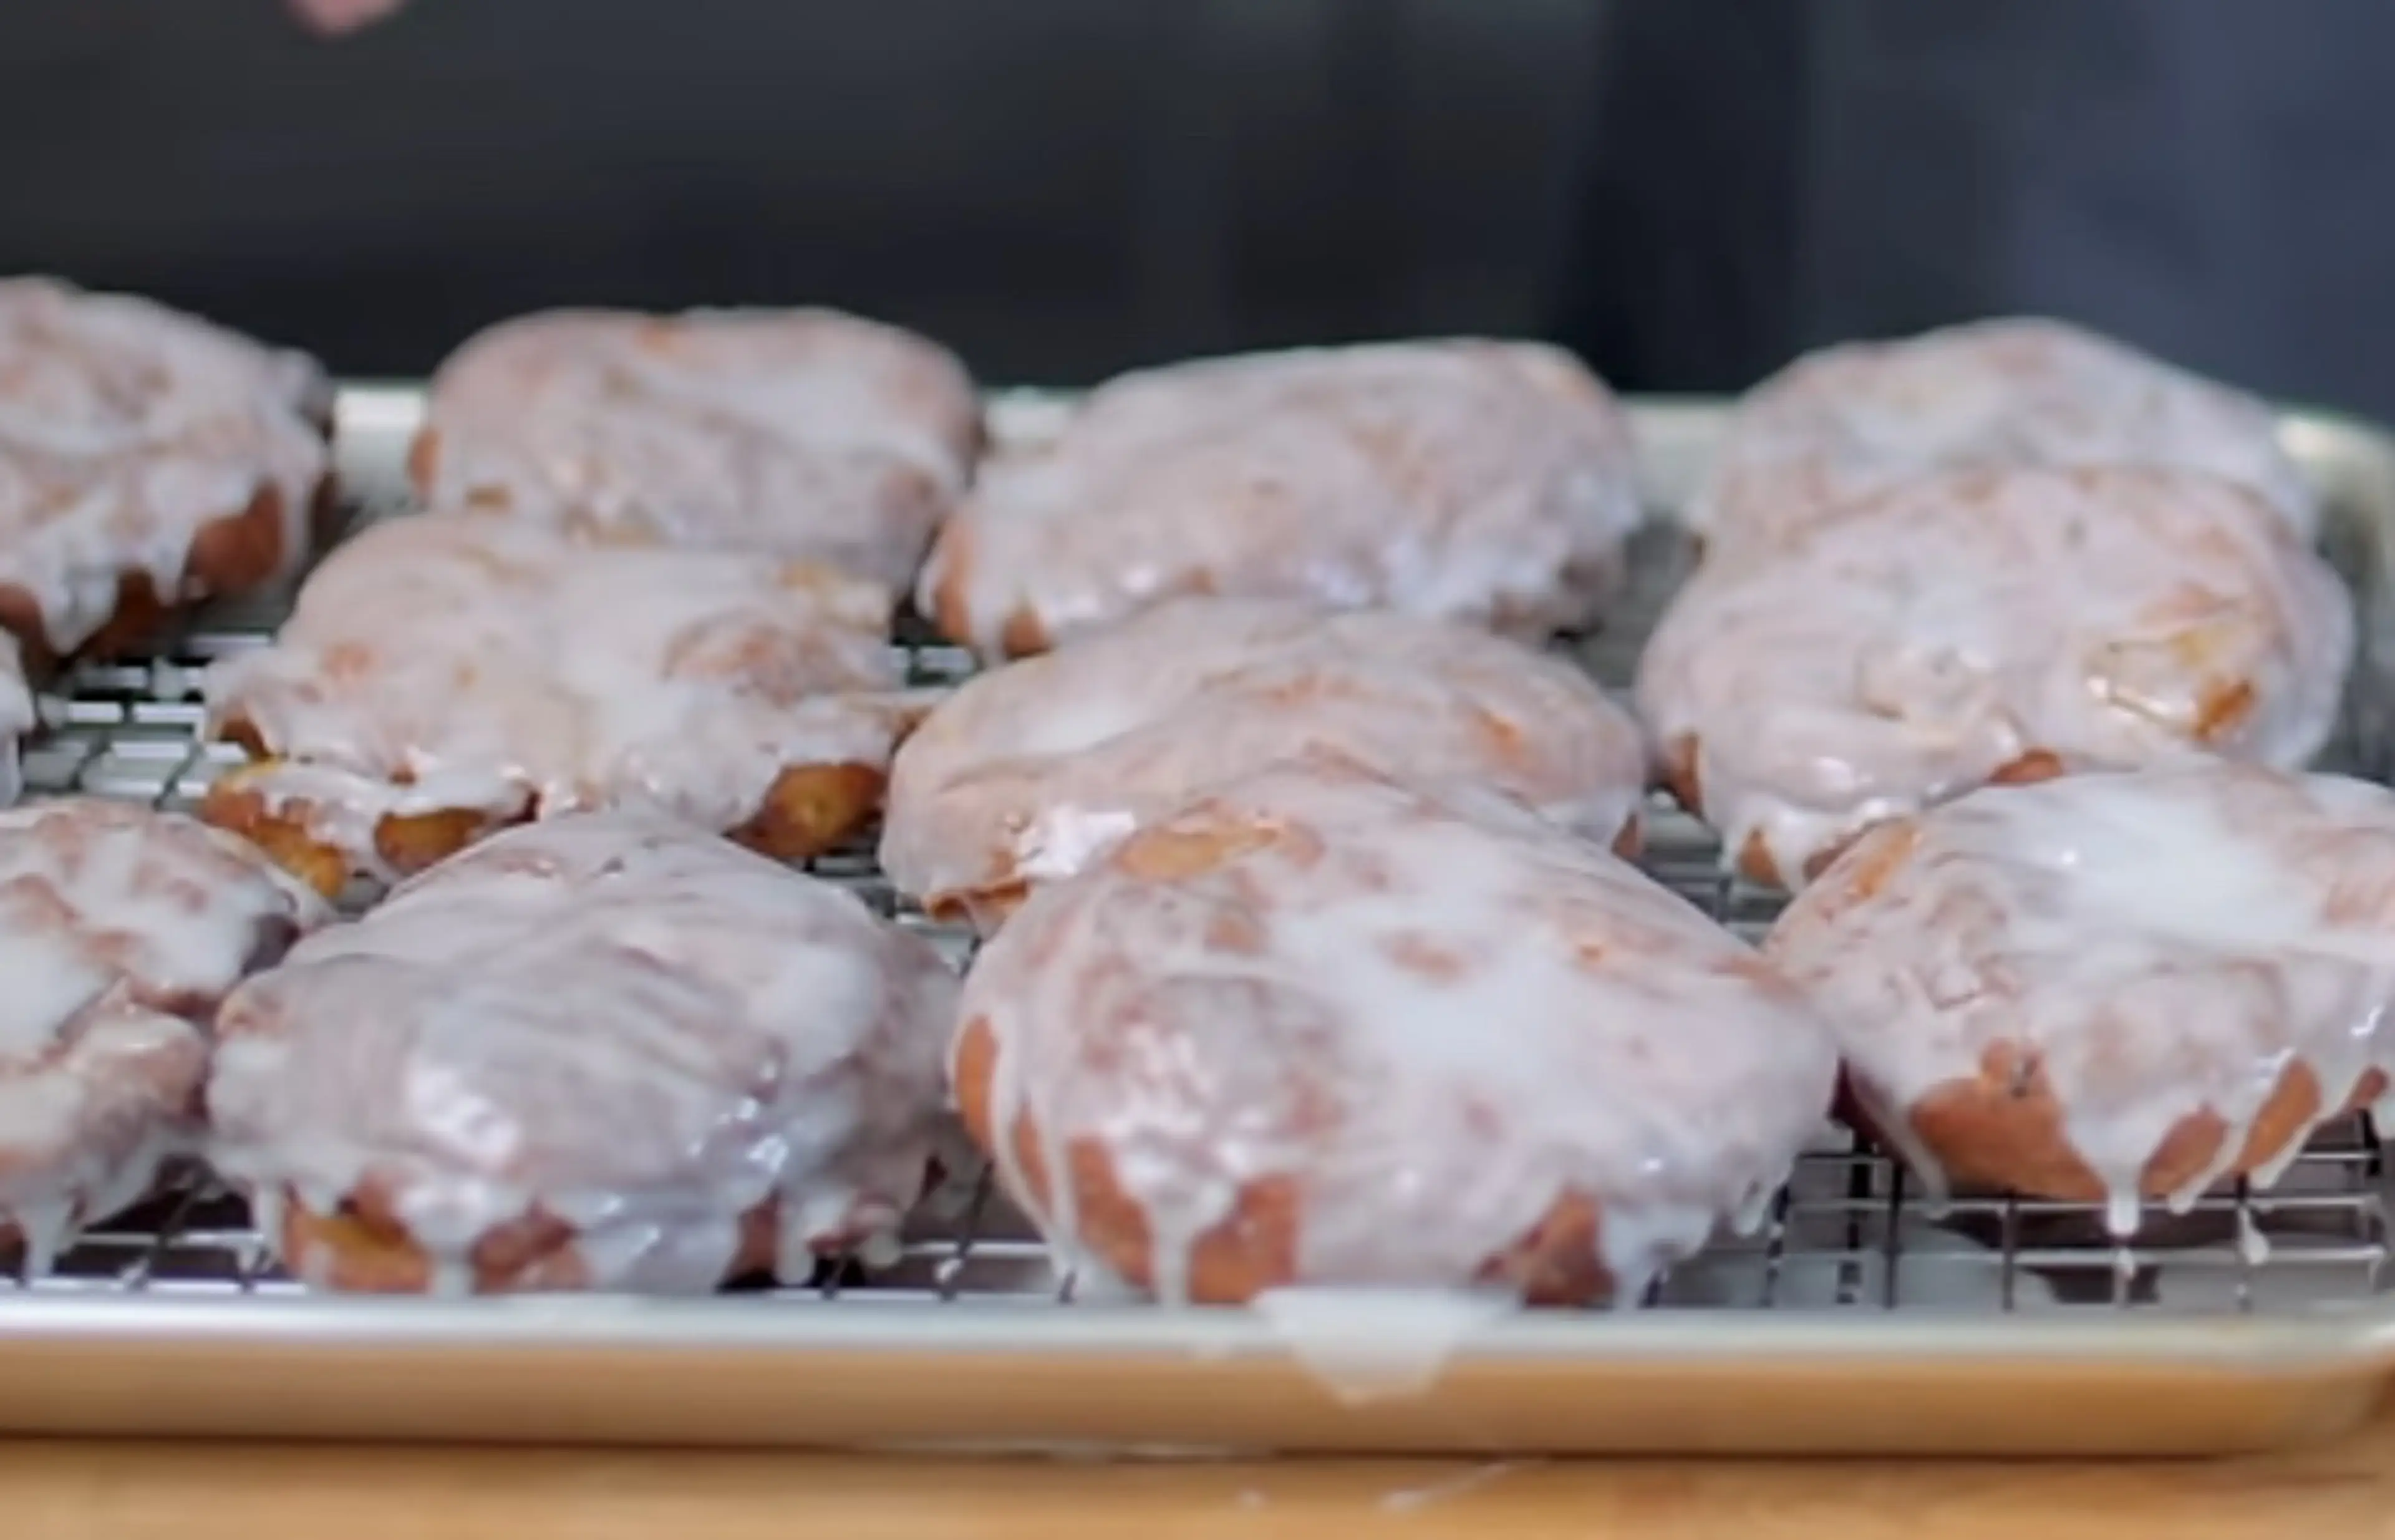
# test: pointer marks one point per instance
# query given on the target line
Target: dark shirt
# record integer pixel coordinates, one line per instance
(2213, 178)
(1065, 187)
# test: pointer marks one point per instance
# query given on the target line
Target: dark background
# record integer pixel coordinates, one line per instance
(1688, 191)
(1056, 186)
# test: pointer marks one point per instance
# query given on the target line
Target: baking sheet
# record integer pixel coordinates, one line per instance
(1857, 1321)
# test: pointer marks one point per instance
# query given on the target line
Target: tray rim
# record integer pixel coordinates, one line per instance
(2322, 1358)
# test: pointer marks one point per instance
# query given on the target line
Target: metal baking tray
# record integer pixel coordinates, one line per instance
(1857, 1321)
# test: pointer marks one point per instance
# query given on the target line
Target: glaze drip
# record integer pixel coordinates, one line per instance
(2165, 946)
(1425, 1027)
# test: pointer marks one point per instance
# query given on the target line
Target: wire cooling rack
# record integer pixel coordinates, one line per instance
(1849, 1231)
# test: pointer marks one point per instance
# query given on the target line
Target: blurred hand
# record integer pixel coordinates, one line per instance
(333, 16)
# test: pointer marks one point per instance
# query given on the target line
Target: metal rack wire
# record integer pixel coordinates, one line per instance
(1849, 1231)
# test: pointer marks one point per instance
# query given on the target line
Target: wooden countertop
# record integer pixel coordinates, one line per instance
(131, 1492)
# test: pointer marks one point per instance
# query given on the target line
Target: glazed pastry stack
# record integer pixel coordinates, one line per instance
(2009, 641)
(1985, 554)
(148, 460)
(802, 434)
(1982, 626)
(629, 1055)
(1323, 1030)
(447, 675)
(2111, 987)
(1490, 483)
(1313, 947)
(1030, 771)
(125, 930)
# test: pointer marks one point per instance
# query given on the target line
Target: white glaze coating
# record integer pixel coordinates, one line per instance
(1904, 650)
(2161, 943)
(125, 430)
(1035, 769)
(1436, 1018)
(120, 930)
(447, 661)
(1484, 481)
(630, 1026)
(1860, 418)
(800, 434)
